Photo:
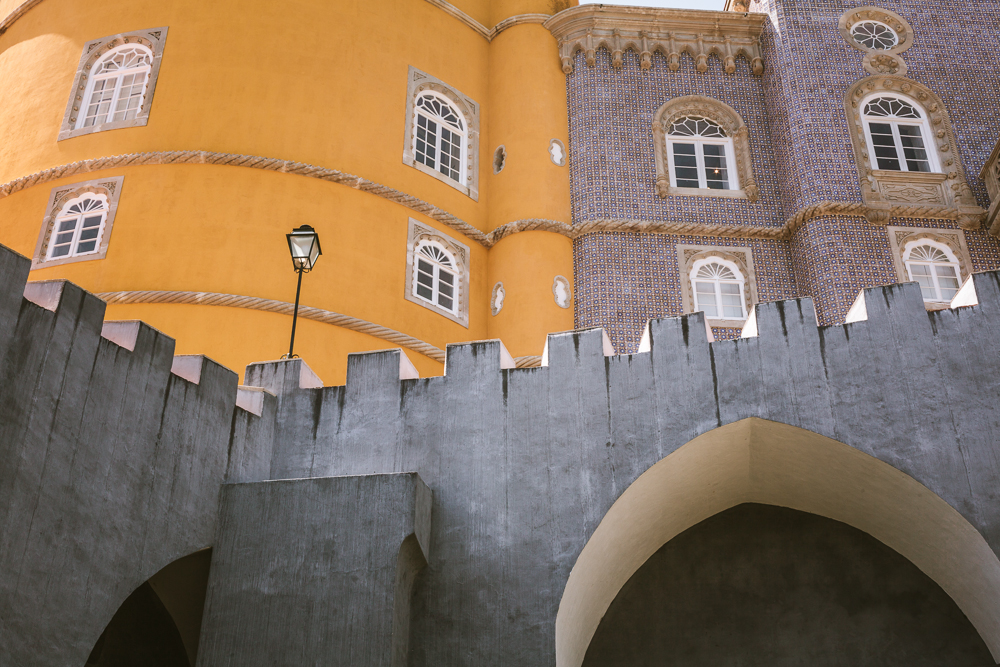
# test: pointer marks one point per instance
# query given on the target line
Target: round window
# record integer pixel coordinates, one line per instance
(874, 35)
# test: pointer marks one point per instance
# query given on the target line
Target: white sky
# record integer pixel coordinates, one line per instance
(685, 4)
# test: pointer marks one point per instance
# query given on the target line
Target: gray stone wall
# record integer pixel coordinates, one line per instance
(110, 465)
(113, 468)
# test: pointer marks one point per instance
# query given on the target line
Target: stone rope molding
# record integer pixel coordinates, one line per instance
(18, 12)
(285, 308)
(784, 232)
(489, 34)
(486, 33)
(273, 306)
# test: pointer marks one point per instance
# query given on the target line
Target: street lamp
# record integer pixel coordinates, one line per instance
(303, 243)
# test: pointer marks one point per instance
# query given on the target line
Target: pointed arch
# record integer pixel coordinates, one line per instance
(766, 462)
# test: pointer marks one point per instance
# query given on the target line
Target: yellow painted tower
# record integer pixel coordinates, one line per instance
(157, 153)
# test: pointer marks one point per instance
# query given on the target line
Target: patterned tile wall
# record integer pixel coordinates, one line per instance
(612, 168)
(625, 279)
(801, 150)
(811, 67)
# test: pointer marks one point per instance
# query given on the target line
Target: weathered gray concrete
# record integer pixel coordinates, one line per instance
(525, 463)
(111, 467)
(765, 586)
(316, 572)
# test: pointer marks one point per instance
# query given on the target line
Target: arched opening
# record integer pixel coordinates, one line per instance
(758, 461)
(763, 585)
(159, 624)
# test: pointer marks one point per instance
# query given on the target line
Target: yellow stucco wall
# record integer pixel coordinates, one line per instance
(316, 82)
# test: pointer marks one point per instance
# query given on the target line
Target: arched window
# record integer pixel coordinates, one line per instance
(898, 134)
(717, 287)
(78, 227)
(700, 155)
(935, 267)
(439, 139)
(435, 278)
(117, 86)
(874, 35)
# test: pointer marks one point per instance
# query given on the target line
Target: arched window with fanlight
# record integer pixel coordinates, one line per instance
(435, 276)
(439, 139)
(935, 267)
(717, 286)
(78, 227)
(700, 155)
(117, 86)
(898, 134)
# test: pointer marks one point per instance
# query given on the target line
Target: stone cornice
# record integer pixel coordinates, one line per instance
(487, 33)
(672, 32)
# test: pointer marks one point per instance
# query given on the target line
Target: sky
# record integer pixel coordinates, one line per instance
(684, 4)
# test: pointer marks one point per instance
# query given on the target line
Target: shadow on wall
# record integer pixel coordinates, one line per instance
(159, 624)
(759, 585)
(760, 461)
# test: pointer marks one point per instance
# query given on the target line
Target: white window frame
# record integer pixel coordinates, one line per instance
(419, 235)
(95, 52)
(463, 133)
(419, 83)
(118, 77)
(930, 147)
(74, 244)
(437, 268)
(61, 197)
(699, 150)
(952, 261)
(877, 22)
(740, 280)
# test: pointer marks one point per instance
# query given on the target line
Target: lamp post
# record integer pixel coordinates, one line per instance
(303, 243)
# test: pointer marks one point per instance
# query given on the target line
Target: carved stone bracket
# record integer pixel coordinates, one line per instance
(645, 31)
(884, 191)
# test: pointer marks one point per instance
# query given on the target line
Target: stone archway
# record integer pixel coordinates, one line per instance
(759, 461)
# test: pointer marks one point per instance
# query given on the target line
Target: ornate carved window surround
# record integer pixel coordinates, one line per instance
(946, 192)
(731, 123)
(991, 176)
(153, 39)
(742, 257)
(110, 187)
(418, 232)
(418, 82)
(954, 239)
(645, 31)
(879, 61)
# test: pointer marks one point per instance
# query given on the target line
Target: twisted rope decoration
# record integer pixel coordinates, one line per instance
(280, 307)
(572, 231)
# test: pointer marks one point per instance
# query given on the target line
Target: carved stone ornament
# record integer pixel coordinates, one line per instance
(944, 194)
(742, 257)
(877, 62)
(953, 238)
(497, 298)
(562, 292)
(153, 39)
(109, 187)
(728, 119)
(902, 27)
(417, 232)
(991, 176)
(418, 82)
(646, 30)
